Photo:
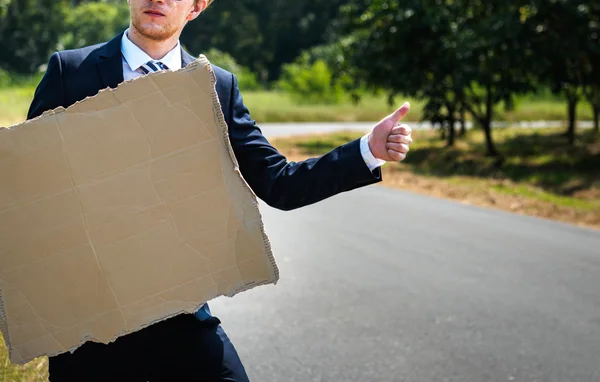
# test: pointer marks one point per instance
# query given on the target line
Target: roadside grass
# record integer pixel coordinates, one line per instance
(549, 109)
(268, 106)
(271, 106)
(14, 103)
(34, 371)
(540, 174)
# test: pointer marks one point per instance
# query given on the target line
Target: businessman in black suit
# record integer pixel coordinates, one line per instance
(194, 347)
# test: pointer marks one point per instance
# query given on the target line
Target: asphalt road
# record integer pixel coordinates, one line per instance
(382, 285)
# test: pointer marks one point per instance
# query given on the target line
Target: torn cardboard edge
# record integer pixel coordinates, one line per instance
(220, 118)
(4, 324)
(201, 63)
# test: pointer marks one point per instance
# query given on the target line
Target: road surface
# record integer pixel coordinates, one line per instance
(286, 129)
(382, 285)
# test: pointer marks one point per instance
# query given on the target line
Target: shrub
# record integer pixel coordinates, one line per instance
(246, 79)
(309, 81)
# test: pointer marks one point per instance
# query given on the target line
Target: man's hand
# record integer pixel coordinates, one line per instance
(389, 140)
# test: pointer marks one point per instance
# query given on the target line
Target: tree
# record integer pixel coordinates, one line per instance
(563, 26)
(29, 31)
(593, 96)
(262, 35)
(93, 22)
(498, 60)
(471, 55)
(592, 89)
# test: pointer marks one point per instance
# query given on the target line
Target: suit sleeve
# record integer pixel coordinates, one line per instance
(50, 92)
(289, 185)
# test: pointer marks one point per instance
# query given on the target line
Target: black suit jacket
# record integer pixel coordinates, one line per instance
(73, 75)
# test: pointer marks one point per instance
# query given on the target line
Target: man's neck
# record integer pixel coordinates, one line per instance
(153, 48)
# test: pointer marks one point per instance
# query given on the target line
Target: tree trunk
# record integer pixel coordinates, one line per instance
(486, 123)
(490, 147)
(463, 127)
(442, 130)
(593, 97)
(596, 112)
(390, 99)
(451, 132)
(572, 112)
(451, 128)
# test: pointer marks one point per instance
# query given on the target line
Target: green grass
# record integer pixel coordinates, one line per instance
(278, 107)
(267, 106)
(539, 157)
(34, 371)
(14, 103)
(531, 109)
(538, 162)
(530, 192)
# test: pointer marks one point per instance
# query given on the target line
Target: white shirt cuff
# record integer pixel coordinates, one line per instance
(367, 155)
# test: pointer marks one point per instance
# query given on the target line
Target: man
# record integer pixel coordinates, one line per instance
(195, 347)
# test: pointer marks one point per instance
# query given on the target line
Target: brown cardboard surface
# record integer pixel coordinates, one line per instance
(120, 211)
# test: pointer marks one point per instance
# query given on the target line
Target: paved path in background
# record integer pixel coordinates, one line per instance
(285, 129)
(382, 285)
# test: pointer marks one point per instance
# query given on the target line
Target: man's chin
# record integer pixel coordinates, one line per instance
(155, 33)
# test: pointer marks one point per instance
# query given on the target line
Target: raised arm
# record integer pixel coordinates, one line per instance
(289, 185)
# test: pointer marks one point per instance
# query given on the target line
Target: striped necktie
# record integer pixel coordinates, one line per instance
(153, 66)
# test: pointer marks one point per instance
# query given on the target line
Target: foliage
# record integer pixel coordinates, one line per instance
(4, 7)
(262, 35)
(472, 55)
(574, 73)
(29, 30)
(246, 79)
(451, 55)
(343, 72)
(310, 81)
(94, 22)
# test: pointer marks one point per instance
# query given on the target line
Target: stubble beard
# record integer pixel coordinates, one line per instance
(155, 33)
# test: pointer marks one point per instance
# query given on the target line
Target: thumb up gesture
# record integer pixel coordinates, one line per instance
(390, 140)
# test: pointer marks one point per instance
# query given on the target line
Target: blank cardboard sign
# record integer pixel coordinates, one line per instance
(123, 210)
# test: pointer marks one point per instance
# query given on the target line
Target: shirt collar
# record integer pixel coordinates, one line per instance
(136, 57)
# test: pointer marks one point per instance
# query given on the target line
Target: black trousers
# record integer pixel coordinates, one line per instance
(181, 348)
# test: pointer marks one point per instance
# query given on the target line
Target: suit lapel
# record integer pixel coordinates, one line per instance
(110, 64)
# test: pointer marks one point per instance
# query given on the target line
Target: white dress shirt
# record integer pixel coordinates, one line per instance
(134, 57)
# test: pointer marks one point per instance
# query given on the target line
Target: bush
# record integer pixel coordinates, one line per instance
(246, 79)
(327, 63)
(311, 81)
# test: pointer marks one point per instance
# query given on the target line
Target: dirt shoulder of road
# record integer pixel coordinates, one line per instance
(534, 183)
(480, 196)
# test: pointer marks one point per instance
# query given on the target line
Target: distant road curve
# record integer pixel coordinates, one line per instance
(301, 128)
